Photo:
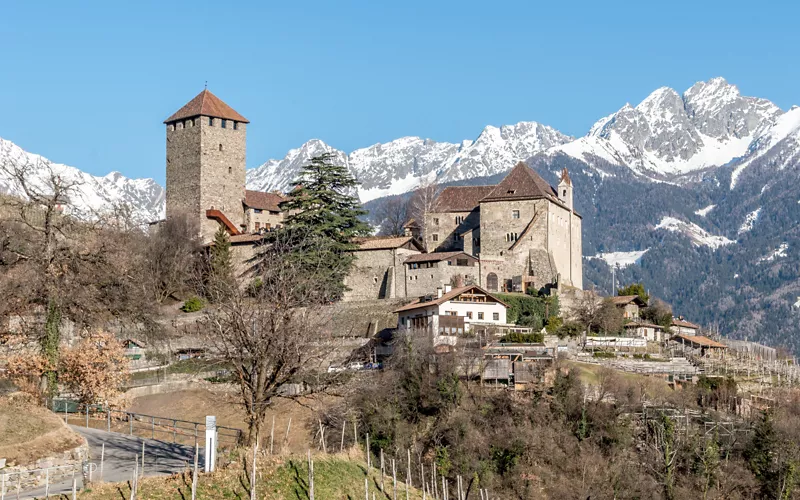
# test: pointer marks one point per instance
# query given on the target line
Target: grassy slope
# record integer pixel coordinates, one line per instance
(335, 477)
(29, 432)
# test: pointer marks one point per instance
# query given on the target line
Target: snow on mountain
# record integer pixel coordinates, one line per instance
(782, 140)
(399, 166)
(704, 211)
(621, 259)
(92, 195)
(698, 235)
(669, 134)
(749, 221)
(777, 253)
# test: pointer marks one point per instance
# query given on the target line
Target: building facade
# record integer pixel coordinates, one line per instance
(452, 311)
(524, 232)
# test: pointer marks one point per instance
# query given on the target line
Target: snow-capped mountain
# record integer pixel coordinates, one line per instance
(92, 195)
(399, 166)
(668, 134)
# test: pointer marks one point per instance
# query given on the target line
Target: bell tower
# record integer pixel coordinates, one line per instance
(206, 152)
(565, 189)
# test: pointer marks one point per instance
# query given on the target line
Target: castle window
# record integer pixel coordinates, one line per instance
(235, 125)
(210, 122)
(224, 124)
(171, 127)
(459, 219)
(257, 210)
(511, 191)
(565, 193)
(435, 221)
(435, 237)
(230, 169)
(375, 280)
(515, 214)
(511, 237)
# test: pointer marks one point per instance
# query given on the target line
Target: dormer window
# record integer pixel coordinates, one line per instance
(511, 191)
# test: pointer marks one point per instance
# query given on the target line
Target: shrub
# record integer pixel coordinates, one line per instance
(527, 310)
(193, 304)
(604, 354)
(522, 338)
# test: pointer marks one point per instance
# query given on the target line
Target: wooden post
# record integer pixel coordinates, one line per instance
(422, 478)
(108, 420)
(194, 471)
(102, 459)
(130, 424)
(87, 416)
(368, 460)
(142, 472)
(253, 475)
(47, 483)
(434, 486)
(174, 430)
(286, 439)
(394, 480)
(310, 477)
(366, 487)
(272, 435)
(341, 446)
(382, 471)
(408, 470)
(444, 488)
(153, 431)
(74, 488)
(323, 447)
(355, 434)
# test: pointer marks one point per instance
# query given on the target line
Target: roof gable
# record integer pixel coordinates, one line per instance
(387, 243)
(521, 183)
(623, 300)
(206, 104)
(451, 295)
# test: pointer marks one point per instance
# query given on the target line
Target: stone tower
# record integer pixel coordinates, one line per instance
(206, 142)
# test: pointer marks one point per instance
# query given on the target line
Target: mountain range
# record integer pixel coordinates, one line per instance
(696, 193)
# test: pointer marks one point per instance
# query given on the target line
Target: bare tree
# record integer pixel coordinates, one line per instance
(171, 258)
(275, 337)
(393, 215)
(422, 202)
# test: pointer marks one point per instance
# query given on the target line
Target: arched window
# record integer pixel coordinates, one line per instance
(565, 193)
(220, 147)
(491, 282)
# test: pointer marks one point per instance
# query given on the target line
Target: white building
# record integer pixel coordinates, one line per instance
(648, 331)
(452, 311)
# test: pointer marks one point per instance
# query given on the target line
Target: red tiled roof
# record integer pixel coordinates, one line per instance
(636, 324)
(263, 201)
(684, 324)
(445, 297)
(460, 198)
(437, 256)
(522, 183)
(206, 104)
(701, 341)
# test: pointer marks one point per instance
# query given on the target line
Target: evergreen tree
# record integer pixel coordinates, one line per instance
(221, 276)
(635, 289)
(324, 219)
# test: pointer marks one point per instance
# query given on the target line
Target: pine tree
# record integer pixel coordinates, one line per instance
(323, 221)
(221, 275)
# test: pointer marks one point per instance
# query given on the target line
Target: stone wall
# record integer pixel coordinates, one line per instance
(32, 477)
(378, 274)
(266, 219)
(448, 226)
(423, 281)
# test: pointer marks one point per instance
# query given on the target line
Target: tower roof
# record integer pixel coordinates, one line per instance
(206, 104)
(521, 183)
(565, 177)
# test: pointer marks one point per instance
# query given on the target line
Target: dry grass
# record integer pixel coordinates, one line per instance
(29, 432)
(194, 405)
(335, 477)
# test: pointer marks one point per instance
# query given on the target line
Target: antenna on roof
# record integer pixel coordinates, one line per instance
(206, 86)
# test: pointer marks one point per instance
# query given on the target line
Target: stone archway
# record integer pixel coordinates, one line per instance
(491, 282)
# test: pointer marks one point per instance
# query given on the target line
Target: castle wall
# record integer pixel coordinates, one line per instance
(425, 280)
(378, 274)
(183, 171)
(577, 252)
(559, 234)
(223, 152)
(447, 226)
(265, 219)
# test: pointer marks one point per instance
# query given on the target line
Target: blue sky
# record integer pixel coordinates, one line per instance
(89, 83)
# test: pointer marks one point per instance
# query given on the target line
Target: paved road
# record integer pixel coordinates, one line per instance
(160, 458)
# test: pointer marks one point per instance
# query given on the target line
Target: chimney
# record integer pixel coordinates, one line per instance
(439, 292)
(448, 288)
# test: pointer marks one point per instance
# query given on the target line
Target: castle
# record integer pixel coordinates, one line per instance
(518, 234)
